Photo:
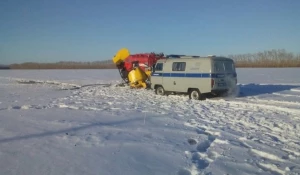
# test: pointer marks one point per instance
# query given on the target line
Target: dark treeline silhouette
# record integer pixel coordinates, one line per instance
(271, 58)
(107, 64)
(4, 67)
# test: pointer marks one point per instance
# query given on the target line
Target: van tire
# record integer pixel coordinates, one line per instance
(194, 94)
(159, 90)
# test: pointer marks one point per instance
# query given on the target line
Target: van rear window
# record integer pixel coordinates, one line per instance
(229, 66)
(224, 66)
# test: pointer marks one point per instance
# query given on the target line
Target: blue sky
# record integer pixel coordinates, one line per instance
(90, 30)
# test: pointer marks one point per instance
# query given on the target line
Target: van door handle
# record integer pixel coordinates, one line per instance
(174, 83)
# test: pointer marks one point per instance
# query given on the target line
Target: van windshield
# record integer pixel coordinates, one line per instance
(224, 66)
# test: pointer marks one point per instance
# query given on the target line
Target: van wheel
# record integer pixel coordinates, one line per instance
(196, 95)
(160, 90)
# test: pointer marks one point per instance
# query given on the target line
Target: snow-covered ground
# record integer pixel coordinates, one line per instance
(116, 130)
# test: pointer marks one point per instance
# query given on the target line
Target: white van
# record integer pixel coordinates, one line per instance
(194, 75)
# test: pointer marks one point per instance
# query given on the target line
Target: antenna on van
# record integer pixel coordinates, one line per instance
(174, 56)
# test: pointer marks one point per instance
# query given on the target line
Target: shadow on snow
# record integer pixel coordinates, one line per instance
(259, 89)
(63, 131)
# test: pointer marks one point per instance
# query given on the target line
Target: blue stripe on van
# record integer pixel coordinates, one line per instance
(193, 75)
(166, 74)
(218, 75)
(178, 74)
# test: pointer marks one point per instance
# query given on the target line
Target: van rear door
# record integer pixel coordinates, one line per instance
(224, 74)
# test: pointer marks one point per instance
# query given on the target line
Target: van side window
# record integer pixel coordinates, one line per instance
(159, 67)
(178, 66)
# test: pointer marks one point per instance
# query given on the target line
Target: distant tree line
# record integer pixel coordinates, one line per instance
(106, 64)
(271, 58)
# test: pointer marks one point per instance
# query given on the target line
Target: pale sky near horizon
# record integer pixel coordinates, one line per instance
(91, 30)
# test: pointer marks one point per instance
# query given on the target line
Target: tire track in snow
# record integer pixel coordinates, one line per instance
(254, 104)
(271, 168)
(47, 82)
(295, 90)
(276, 123)
(274, 102)
(286, 95)
(25, 107)
(266, 155)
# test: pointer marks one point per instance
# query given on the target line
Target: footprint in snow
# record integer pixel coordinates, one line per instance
(201, 163)
(184, 172)
(192, 141)
(201, 159)
(203, 146)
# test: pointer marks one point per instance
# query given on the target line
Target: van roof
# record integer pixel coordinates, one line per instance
(191, 57)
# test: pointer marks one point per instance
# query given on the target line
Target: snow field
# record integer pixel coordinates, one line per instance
(118, 130)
